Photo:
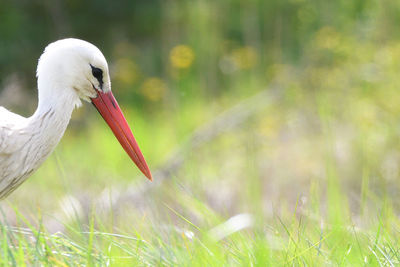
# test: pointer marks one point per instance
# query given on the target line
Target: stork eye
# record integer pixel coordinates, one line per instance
(98, 74)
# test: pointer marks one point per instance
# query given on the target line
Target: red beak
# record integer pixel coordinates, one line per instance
(108, 108)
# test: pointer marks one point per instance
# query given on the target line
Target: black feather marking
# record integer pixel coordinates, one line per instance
(98, 74)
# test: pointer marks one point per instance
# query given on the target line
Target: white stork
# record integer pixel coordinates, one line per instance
(69, 70)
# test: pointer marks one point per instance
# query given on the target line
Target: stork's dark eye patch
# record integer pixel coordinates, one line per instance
(98, 74)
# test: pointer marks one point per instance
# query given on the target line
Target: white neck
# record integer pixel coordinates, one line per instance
(47, 125)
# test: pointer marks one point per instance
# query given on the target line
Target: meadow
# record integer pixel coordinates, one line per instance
(271, 128)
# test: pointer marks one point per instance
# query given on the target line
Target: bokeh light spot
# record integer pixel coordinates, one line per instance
(127, 72)
(153, 88)
(181, 57)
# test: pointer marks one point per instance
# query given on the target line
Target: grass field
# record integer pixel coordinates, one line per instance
(308, 178)
(271, 127)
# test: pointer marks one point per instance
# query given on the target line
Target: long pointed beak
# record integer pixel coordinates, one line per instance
(108, 108)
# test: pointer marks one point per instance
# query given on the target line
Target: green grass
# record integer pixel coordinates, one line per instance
(310, 179)
(293, 237)
(293, 202)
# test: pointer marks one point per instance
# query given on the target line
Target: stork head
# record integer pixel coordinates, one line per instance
(77, 69)
(74, 64)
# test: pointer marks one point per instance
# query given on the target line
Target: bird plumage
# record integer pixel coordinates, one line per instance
(65, 76)
(27, 142)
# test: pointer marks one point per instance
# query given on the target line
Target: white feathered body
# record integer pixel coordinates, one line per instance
(25, 143)
(69, 70)
(63, 78)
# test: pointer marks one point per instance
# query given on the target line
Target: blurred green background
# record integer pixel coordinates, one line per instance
(324, 145)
